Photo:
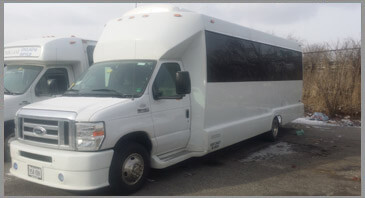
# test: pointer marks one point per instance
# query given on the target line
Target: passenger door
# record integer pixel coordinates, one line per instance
(170, 111)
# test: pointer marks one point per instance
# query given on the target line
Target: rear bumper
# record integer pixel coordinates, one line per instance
(80, 170)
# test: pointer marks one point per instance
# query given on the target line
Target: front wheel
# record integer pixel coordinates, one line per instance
(129, 169)
(7, 141)
(272, 135)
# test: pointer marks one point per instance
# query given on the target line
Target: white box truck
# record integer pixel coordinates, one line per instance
(167, 85)
(39, 69)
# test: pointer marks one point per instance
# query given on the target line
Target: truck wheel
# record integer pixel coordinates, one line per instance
(129, 169)
(273, 133)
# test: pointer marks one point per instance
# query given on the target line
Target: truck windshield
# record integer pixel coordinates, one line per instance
(127, 78)
(18, 78)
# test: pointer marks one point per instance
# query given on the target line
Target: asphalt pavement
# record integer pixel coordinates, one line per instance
(324, 160)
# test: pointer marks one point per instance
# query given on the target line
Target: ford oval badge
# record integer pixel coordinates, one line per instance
(39, 130)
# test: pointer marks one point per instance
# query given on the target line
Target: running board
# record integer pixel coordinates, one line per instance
(170, 158)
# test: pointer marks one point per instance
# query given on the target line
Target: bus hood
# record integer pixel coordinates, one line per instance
(84, 107)
(11, 105)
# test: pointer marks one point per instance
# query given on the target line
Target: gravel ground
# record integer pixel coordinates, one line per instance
(324, 161)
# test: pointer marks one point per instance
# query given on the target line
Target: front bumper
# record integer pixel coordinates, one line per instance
(80, 170)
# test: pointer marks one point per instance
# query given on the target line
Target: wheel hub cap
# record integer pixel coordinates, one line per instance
(132, 169)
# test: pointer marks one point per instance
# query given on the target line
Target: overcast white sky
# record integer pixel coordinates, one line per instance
(311, 22)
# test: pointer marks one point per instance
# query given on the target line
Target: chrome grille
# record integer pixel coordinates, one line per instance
(45, 132)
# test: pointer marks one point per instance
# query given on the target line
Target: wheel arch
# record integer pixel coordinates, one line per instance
(9, 127)
(280, 118)
(140, 137)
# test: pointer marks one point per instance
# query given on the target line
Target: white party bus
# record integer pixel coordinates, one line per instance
(38, 69)
(167, 85)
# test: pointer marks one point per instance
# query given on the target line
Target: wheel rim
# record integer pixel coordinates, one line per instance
(275, 129)
(132, 169)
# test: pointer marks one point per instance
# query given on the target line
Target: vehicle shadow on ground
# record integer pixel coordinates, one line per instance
(223, 167)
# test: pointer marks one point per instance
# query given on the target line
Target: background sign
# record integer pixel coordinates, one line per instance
(22, 52)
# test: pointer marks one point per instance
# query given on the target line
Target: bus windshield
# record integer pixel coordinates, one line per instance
(127, 78)
(18, 78)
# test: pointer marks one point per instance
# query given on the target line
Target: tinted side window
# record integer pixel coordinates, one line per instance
(53, 82)
(165, 82)
(231, 59)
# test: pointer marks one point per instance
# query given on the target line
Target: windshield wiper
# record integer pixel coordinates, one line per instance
(7, 91)
(76, 90)
(112, 90)
(71, 90)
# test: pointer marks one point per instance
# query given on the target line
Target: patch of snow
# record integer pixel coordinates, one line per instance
(307, 121)
(281, 148)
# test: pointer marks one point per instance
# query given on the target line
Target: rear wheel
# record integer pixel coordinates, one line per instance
(129, 169)
(272, 135)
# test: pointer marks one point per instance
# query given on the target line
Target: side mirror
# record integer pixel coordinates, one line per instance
(183, 85)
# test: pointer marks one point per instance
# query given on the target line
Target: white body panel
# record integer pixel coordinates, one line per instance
(220, 114)
(81, 170)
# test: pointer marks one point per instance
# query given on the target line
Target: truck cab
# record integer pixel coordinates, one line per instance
(40, 69)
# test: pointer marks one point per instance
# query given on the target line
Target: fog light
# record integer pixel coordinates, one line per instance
(60, 177)
(15, 166)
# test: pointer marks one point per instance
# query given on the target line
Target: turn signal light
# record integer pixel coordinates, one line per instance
(98, 133)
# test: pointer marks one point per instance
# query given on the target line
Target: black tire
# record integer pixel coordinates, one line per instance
(10, 135)
(124, 155)
(272, 135)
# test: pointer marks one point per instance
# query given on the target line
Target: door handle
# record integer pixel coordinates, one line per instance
(187, 113)
(143, 110)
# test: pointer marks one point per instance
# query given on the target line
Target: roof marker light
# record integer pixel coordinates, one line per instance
(131, 17)
(177, 15)
(145, 15)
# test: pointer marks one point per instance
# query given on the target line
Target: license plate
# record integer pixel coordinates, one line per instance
(35, 172)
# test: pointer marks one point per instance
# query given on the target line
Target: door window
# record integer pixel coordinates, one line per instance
(165, 83)
(53, 82)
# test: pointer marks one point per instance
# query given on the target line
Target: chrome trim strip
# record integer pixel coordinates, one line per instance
(45, 136)
(72, 134)
(28, 124)
(61, 133)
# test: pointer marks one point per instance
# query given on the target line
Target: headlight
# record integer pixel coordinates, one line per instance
(89, 135)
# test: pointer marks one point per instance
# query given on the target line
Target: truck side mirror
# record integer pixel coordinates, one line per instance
(183, 85)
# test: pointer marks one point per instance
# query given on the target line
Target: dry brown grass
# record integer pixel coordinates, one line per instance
(332, 77)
